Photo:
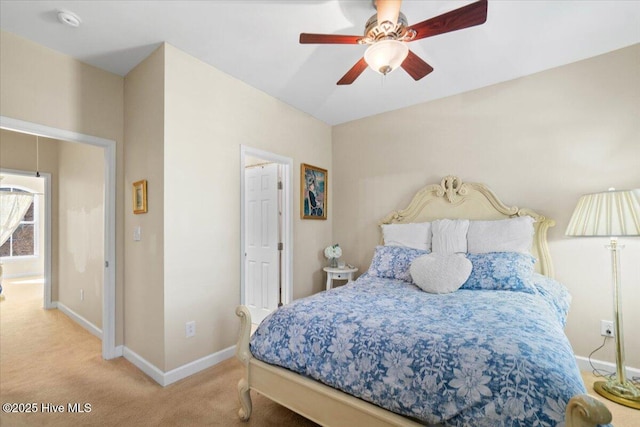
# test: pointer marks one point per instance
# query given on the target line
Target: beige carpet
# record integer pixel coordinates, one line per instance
(45, 358)
(622, 415)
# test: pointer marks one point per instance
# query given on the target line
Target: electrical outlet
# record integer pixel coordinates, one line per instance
(606, 328)
(191, 328)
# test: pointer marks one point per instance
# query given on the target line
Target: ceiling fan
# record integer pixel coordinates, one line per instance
(387, 35)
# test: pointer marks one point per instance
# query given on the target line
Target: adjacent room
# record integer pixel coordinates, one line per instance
(332, 212)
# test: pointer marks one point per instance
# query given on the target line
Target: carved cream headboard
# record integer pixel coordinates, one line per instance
(454, 199)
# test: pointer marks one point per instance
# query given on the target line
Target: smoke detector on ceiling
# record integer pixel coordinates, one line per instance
(69, 18)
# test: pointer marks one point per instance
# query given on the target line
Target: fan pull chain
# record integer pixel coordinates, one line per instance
(37, 157)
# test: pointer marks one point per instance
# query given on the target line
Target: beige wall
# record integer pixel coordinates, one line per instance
(185, 122)
(42, 86)
(80, 243)
(33, 265)
(18, 152)
(539, 142)
(144, 151)
(208, 115)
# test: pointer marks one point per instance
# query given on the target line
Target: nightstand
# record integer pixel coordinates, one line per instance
(334, 273)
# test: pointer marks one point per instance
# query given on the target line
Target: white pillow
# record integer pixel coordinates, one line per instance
(440, 273)
(415, 235)
(505, 235)
(449, 236)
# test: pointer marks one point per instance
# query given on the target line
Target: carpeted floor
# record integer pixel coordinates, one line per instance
(45, 358)
(48, 360)
(622, 415)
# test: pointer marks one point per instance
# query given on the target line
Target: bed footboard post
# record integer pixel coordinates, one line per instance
(244, 355)
(586, 411)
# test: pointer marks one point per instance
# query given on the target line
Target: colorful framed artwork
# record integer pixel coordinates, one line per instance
(313, 192)
(140, 197)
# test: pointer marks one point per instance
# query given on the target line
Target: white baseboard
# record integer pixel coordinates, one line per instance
(162, 378)
(198, 365)
(141, 363)
(584, 365)
(184, 371)
(118, 351)
(93, 329)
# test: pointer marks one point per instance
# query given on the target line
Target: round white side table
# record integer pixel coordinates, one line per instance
(334, 273)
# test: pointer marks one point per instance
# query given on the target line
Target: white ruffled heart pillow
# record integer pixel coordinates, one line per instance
(439, 273)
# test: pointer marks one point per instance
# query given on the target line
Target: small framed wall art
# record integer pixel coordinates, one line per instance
(313, 189)
(140, 196)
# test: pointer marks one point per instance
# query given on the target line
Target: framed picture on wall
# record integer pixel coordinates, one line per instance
(140, 197)
(313, 189)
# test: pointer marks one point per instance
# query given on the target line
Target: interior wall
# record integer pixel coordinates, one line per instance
(144, 151)
(42, 86)
(18, 152)
(540, 142)
(208, 116)
(80, 244)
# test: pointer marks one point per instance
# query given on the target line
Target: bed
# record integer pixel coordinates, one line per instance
(383, 351)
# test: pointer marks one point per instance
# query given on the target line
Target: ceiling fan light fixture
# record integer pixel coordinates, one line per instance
(385, 56)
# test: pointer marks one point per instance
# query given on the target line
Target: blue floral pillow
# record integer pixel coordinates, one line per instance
(393, 262)
(501, 271)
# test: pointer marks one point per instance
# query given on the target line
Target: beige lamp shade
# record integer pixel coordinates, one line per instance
(608, 214)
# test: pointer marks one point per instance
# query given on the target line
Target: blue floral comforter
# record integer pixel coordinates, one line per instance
(471, 357)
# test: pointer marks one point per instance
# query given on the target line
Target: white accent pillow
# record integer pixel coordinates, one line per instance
(440, 273)
(415, 235)
(449, 236)
(504, 235)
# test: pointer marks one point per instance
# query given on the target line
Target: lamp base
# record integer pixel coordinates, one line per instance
(625, 394)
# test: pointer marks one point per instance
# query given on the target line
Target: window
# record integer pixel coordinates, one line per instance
(23, 241)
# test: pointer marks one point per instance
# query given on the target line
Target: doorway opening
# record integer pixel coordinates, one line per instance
(26, 242)
(107, 333)
(266, 242)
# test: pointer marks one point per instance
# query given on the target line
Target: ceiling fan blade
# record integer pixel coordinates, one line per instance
(388, 10)
(328, 38)
(467, 16)
(353, 73)
(415, 66)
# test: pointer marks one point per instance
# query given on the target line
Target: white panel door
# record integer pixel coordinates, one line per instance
(261, 258)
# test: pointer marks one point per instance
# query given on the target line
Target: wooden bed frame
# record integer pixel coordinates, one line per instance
(330, 407)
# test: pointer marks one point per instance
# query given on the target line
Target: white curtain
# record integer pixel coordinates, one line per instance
(13, 206)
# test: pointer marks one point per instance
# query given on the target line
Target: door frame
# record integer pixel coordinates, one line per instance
(109, 276)
(286, 267)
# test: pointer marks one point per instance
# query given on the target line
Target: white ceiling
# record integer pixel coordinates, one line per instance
(257, 42)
